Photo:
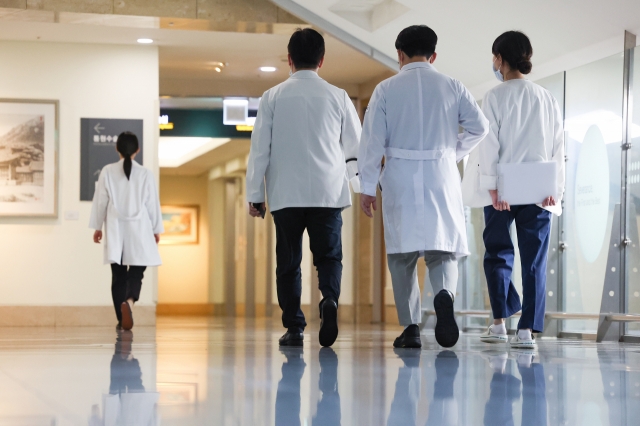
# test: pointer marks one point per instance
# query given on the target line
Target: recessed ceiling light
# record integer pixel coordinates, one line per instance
(267, 69)
(145, 40)
(218, 69)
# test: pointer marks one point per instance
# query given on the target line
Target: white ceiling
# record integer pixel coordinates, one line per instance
(186, 55)
(189, 55)
(564, 33)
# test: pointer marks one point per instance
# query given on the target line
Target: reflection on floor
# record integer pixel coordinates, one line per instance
(231, 372)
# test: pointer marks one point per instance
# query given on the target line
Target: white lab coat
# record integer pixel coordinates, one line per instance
(305, 143)
(413, 120)
(130, 212)
(526, 126)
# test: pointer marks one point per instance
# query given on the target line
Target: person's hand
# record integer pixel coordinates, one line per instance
(97, 237)
(157, 237)
(548, 202)
(366, 202)
(498, 205)
(255, 212)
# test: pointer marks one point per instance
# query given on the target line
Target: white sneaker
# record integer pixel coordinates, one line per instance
(490, 337)
(517, 342)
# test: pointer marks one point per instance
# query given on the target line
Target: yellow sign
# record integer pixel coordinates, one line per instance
(244, 128)
(166, 126)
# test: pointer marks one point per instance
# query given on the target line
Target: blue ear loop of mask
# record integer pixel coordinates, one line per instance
(497, 73)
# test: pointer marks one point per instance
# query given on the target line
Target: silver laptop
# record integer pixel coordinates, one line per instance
(527, 183)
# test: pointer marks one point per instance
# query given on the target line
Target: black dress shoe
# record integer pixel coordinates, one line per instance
(292, 338)
(410, 338)
(447, 332)
(328, 322)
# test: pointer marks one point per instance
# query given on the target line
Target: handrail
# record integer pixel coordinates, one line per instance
(623, 317)
(571, 316)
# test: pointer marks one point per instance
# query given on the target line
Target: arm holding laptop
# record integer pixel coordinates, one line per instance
(489, 154)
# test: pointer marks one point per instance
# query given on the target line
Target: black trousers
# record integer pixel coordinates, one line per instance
(324, 226)
(126, 282)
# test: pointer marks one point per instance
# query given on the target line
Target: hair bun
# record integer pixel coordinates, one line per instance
(524, 66)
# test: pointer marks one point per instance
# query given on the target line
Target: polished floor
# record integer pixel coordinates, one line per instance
(190, 371)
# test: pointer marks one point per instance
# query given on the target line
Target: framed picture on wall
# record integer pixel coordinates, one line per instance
(28, 157)
(180, 224)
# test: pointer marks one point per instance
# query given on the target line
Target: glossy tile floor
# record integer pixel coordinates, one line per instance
(225, 372)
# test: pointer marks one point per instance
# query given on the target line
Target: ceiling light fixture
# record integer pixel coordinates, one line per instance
(145, 41)
(268, 69)
(218, 69)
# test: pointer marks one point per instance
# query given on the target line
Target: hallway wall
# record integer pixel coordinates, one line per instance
(52, 265)
(183, 279)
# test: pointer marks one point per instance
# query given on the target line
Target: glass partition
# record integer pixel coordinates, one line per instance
(633, 181)
(593, 134)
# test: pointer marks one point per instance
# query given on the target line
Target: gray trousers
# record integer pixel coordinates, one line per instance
(443, 274)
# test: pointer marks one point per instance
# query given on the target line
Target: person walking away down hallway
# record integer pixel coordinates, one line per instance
(304, 145)
(526, 126)
(126, 203)
(413, 120)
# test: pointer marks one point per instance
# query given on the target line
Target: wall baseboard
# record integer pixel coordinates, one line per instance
(190, 309)
(70, 316)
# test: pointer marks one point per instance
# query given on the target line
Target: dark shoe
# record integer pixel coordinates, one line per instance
(447, 332)
(127, 316)
(410, 338)
(119, 327)
(328, 322)
(291, 338)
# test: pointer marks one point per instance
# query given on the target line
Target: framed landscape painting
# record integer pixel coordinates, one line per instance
(28, 157)
(180, 224)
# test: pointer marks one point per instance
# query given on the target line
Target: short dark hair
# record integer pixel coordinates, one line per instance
(514, 47)
(306, 47)
(417, 40)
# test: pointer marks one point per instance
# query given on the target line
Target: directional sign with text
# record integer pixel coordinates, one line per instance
(98, 137)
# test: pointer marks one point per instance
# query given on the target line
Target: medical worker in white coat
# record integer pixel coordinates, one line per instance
(126, 203)
(526, 126)
(413, 120)
(303, 155)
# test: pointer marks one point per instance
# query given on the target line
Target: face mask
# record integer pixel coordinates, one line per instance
(497, 73)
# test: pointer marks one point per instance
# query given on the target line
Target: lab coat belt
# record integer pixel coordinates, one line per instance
(419, 155)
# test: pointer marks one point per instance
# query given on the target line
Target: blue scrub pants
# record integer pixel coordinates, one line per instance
(533, 225)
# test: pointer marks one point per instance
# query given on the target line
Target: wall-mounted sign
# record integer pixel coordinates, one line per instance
(98, 137)
(206, 123)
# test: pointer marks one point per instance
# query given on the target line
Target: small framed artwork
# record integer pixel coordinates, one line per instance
(180, 224)
(28, 158)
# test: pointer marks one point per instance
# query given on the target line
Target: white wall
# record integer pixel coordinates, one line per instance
(53, 262)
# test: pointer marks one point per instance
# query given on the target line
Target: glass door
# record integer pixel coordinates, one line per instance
(593, 135)
(633, 215)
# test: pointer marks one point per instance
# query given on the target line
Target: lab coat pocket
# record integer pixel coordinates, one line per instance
(472, 195)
